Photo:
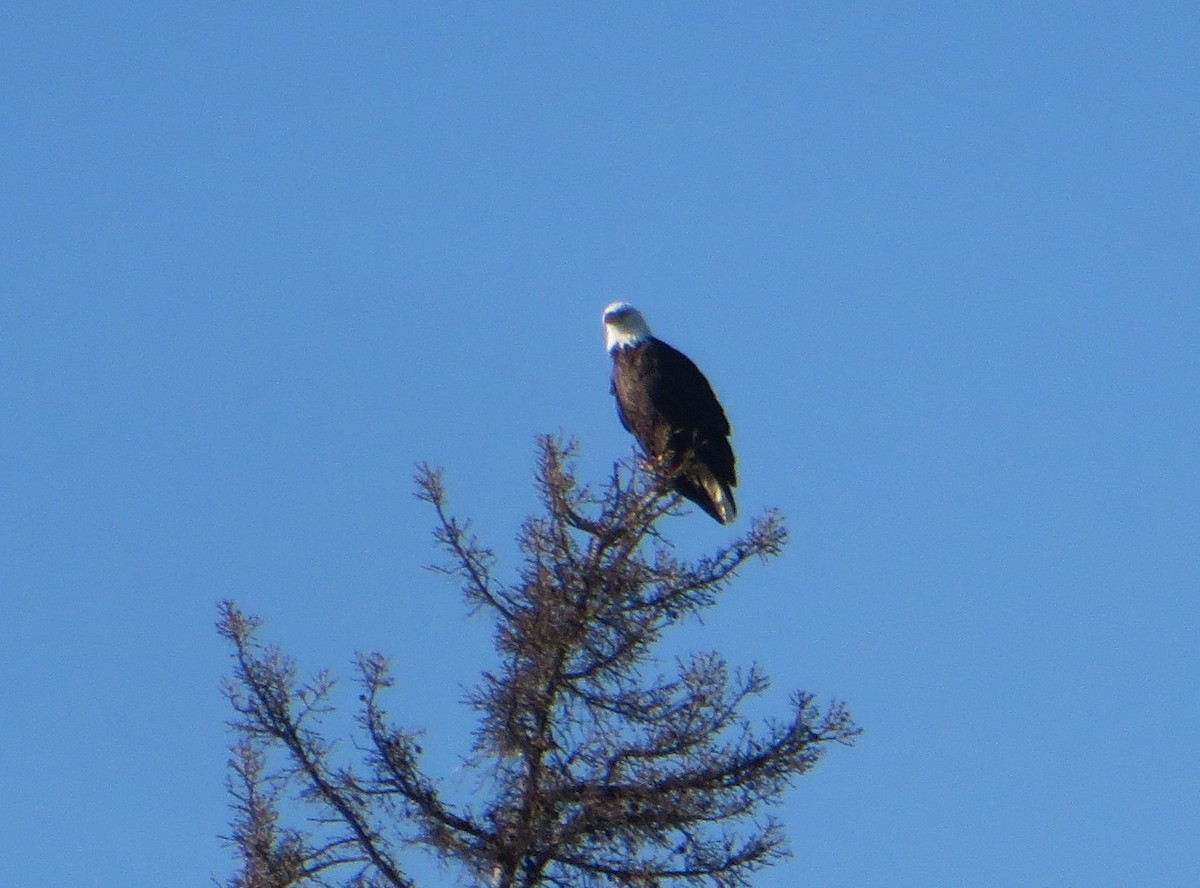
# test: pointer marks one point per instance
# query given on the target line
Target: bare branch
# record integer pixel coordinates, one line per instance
(266, 697)
(468, 559)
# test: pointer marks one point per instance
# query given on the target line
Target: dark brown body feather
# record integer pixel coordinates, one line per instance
(668, 405)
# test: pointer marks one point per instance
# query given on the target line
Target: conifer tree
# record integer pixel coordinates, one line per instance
(599, 764)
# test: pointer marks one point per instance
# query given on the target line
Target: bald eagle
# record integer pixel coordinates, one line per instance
(668, 405)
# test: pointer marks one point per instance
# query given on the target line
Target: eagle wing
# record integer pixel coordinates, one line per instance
(683, 395)
(668, 404)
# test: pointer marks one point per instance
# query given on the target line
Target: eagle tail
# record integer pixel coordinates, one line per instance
(724, 509)
(712, 495)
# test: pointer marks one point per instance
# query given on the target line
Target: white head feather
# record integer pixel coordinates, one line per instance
(623, 326)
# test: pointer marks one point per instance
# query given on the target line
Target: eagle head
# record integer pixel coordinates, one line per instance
(623, 326)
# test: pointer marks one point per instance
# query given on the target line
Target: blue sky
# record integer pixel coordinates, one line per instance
(939, 261)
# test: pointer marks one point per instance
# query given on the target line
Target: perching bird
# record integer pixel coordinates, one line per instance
(668, 405)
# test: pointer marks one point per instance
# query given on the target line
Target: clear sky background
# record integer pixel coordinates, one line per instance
(939, 259)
